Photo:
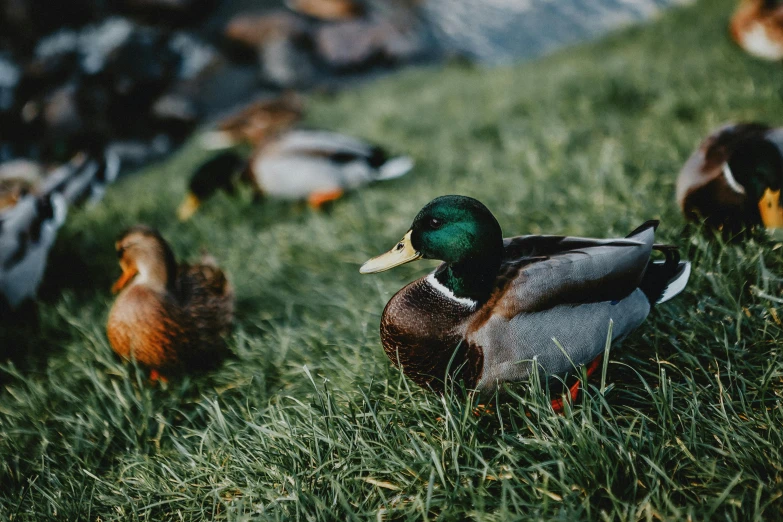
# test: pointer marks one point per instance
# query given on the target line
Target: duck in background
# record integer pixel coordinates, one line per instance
(316, 166)
(27, 232)
(489, 313)
(255, 123)
(34, 208)
(84, 178)
(757, 27)
(733, 179)
(169, 317)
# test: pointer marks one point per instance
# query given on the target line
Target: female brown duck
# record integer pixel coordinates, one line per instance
(757, 27)
(168, 317)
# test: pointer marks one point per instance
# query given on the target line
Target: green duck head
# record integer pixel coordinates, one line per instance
(458, 230)
(758, 168)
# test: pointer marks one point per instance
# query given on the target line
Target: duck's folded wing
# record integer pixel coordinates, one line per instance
(322, 143)
(541, 272)
(558, 339)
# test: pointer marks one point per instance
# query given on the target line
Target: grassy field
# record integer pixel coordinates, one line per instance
(309, 421)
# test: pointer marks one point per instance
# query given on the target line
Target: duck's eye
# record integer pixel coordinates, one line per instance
(436, 223)
(120, 252)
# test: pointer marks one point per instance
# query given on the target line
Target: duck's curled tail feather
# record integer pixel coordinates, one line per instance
(395, 167)
(665, 279)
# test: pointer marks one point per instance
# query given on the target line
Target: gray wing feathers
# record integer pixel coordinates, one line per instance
(606, 271)
(296, 142)
(568, 242)
(571, 295)
(580, 329)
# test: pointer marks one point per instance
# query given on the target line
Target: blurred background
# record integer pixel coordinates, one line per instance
(137, 76)
(562, 116)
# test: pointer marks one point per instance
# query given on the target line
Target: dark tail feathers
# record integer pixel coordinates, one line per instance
(665, 279)
(652, 223)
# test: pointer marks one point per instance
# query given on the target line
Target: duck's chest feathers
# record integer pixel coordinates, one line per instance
(141, 325)
(423, 332)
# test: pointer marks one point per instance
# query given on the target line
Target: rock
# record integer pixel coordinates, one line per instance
(173, 106)
(61, 112)
(24, 22)
(226, 85)
(142, 66)
(64, 41)
(347, 44)
(283, 43)
(96, 43)
(10, 74)
(135, 153)
(195, 55)
(358, 43)
(170, 13)
(288, 62)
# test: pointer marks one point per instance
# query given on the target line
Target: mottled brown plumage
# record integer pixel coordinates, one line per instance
(261, 120)
(418, 334)
(169, 318)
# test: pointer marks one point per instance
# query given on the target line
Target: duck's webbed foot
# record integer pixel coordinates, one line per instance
(317, 200)
(156, 377)
(573, 391)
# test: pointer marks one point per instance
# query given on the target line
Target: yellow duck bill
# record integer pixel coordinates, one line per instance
(770, 209)
(188, 207)
(403, 252)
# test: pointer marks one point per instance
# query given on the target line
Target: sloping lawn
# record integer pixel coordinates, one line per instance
(309, 420)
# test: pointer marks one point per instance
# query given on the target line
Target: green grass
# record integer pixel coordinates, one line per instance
(309, 421)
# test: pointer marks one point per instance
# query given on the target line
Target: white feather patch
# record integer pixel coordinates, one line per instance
(395, 167)
(756, 41)
(464, 301)
(676, 286)
(731, 180)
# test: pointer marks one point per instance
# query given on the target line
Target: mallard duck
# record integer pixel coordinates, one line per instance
(757, 27)
(31, 217)
(734, 178)
(255, 123)
(168, 317)
(495, 306)
(316, 166)
(27, 232)
(84, 177)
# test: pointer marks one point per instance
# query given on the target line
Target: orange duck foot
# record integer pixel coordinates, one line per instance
(317, 200)
(573, 392)
(157, 377)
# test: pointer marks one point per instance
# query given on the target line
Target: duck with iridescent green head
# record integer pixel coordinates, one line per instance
(491, 310)
(734, 178)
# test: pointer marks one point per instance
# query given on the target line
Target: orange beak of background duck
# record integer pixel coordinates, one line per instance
(124, 279)
(770, 209)
(188, 207)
